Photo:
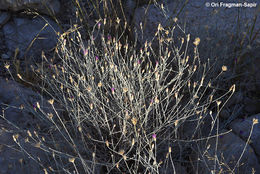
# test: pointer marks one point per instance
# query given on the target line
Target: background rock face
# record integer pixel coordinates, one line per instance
(13, 96)
(42, 6)
(242, 128)
(14, 160)
(230, 148)
(4, 17)
(215, 26)
(20, 33)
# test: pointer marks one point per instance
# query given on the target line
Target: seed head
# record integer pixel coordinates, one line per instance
(51, 101)
(154, 137)
(197, 41)
(255, 121)
(134, 121)
(71, 160)
(121, 152)
(224, 68)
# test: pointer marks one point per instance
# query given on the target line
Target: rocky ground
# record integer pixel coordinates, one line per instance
(217, 27)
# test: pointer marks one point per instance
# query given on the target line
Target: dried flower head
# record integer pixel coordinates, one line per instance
(7, 66)
(37, 145)
(85, 52)
(176, 122)
(107, 143)
(113, 90)
(89, 88)
(80, 129)
(156, 100)
(133, 142)
(99, 84)
(154, 137)
(255, 121)
(51, 101)
(188, 37)
(99, 24)
(160, 27)
(38, 105)
(29, 133)
(21, 107)
(125, 89)
(224, 68)
(19, 76)
(50, 115)
(121, 152)
(134, 121)
(117, 20)
(197, 41)
(71, 160)
(15, 137)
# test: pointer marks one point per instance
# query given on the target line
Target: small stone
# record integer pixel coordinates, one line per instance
(229, 149)
(20, 32)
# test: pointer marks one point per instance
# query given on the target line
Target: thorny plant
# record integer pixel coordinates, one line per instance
(120, 109)
(122, 105)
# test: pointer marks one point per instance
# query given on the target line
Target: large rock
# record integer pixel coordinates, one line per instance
(14, 160)
(242, 128)
(229, 155)
(196, 15)
(15, 111)
(17, 104)
(2, 45)
(42, 6)
(196, 127)
(149, 20)
(19, 113)
(216, 26)
(248, 67)
(252, 106)
(4, 17)
(21, 33)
